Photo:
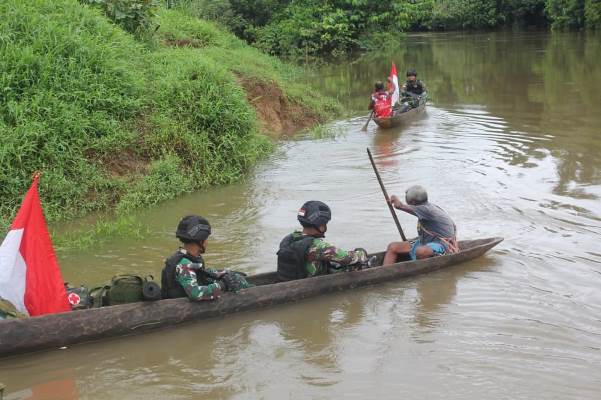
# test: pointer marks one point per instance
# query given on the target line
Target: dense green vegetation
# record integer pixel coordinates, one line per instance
(135, 16)
(297, 28)
(112, 121)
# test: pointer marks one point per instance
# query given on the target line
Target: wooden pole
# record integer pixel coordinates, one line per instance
(390, 207)
(369, 119)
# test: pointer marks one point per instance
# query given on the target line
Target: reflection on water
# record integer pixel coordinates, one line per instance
(510, 147)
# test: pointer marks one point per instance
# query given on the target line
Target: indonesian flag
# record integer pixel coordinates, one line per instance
(395, 82)
(30, 277)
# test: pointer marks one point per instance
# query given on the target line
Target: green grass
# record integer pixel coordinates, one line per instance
(67, 88)
(116, 124)
(232, 54)
(326, 131)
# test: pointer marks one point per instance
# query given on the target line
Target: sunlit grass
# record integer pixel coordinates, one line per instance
(115, 123)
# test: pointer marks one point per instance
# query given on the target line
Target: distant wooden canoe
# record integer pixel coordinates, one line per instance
(52, 331)
(398, 118)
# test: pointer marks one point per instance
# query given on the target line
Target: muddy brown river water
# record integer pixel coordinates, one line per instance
(510, 146)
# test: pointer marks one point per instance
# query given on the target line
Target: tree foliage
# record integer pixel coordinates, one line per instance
(311, 27)
(574, 14)
(135, 16)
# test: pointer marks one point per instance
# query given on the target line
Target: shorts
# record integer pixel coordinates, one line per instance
(438, 248)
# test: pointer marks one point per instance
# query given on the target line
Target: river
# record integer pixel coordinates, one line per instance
(510, 146)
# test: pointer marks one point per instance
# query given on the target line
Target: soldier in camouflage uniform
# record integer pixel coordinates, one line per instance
(413, 85)
(305, 253)
(412, 90)
(185, 274)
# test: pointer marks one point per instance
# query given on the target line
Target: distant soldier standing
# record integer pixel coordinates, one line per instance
(305, 253)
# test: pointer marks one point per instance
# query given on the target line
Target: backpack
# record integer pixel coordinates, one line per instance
(79, 297)
(8, 310)
(125, 288)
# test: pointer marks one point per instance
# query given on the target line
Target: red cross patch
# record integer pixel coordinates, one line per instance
(74, 299)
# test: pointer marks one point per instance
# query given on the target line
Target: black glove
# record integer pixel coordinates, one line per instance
(231, 283)
(363, 250)
(371, 262)
(234, 281)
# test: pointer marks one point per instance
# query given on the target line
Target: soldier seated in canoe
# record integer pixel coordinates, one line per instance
(305, 253)
(185, 273)
(412, 90)
(436, 230)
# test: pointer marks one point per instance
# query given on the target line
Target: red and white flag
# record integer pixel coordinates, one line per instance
(395, 82)
(30, 277)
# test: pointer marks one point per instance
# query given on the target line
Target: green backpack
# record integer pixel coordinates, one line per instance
(8, 310)
(124, 288)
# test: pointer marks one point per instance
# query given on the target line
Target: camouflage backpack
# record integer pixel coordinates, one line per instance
(125, 288)
(8, 310)
(79, 297)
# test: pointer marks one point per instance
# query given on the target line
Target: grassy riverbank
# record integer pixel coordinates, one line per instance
(116, 123)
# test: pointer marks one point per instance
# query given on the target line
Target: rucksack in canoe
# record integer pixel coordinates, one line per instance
(8, 310)
(79, 297)
(126, 288)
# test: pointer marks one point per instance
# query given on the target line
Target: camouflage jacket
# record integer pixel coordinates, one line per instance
(322, 254)
(409, 89)
(8, 310)
(186, 275)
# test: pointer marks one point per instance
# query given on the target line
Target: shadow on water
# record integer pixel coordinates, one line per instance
(61, 386)
(435, 291)
(386, 147)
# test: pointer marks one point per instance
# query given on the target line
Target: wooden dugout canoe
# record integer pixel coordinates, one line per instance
(52, 331)
(399, 118)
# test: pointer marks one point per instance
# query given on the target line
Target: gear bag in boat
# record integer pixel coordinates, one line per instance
(126, 288)
(8, 310)
(79, 297)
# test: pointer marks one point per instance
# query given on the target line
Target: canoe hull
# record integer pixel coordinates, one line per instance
(400, 118)
(57, 330)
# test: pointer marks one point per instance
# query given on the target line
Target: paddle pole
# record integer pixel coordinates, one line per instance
(390, 207)
(369, 119)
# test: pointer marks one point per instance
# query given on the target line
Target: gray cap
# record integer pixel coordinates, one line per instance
(416, 195)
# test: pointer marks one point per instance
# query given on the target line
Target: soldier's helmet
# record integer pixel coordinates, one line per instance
(416, 195)
(193, 228)
(314, 214)
(411, 72)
